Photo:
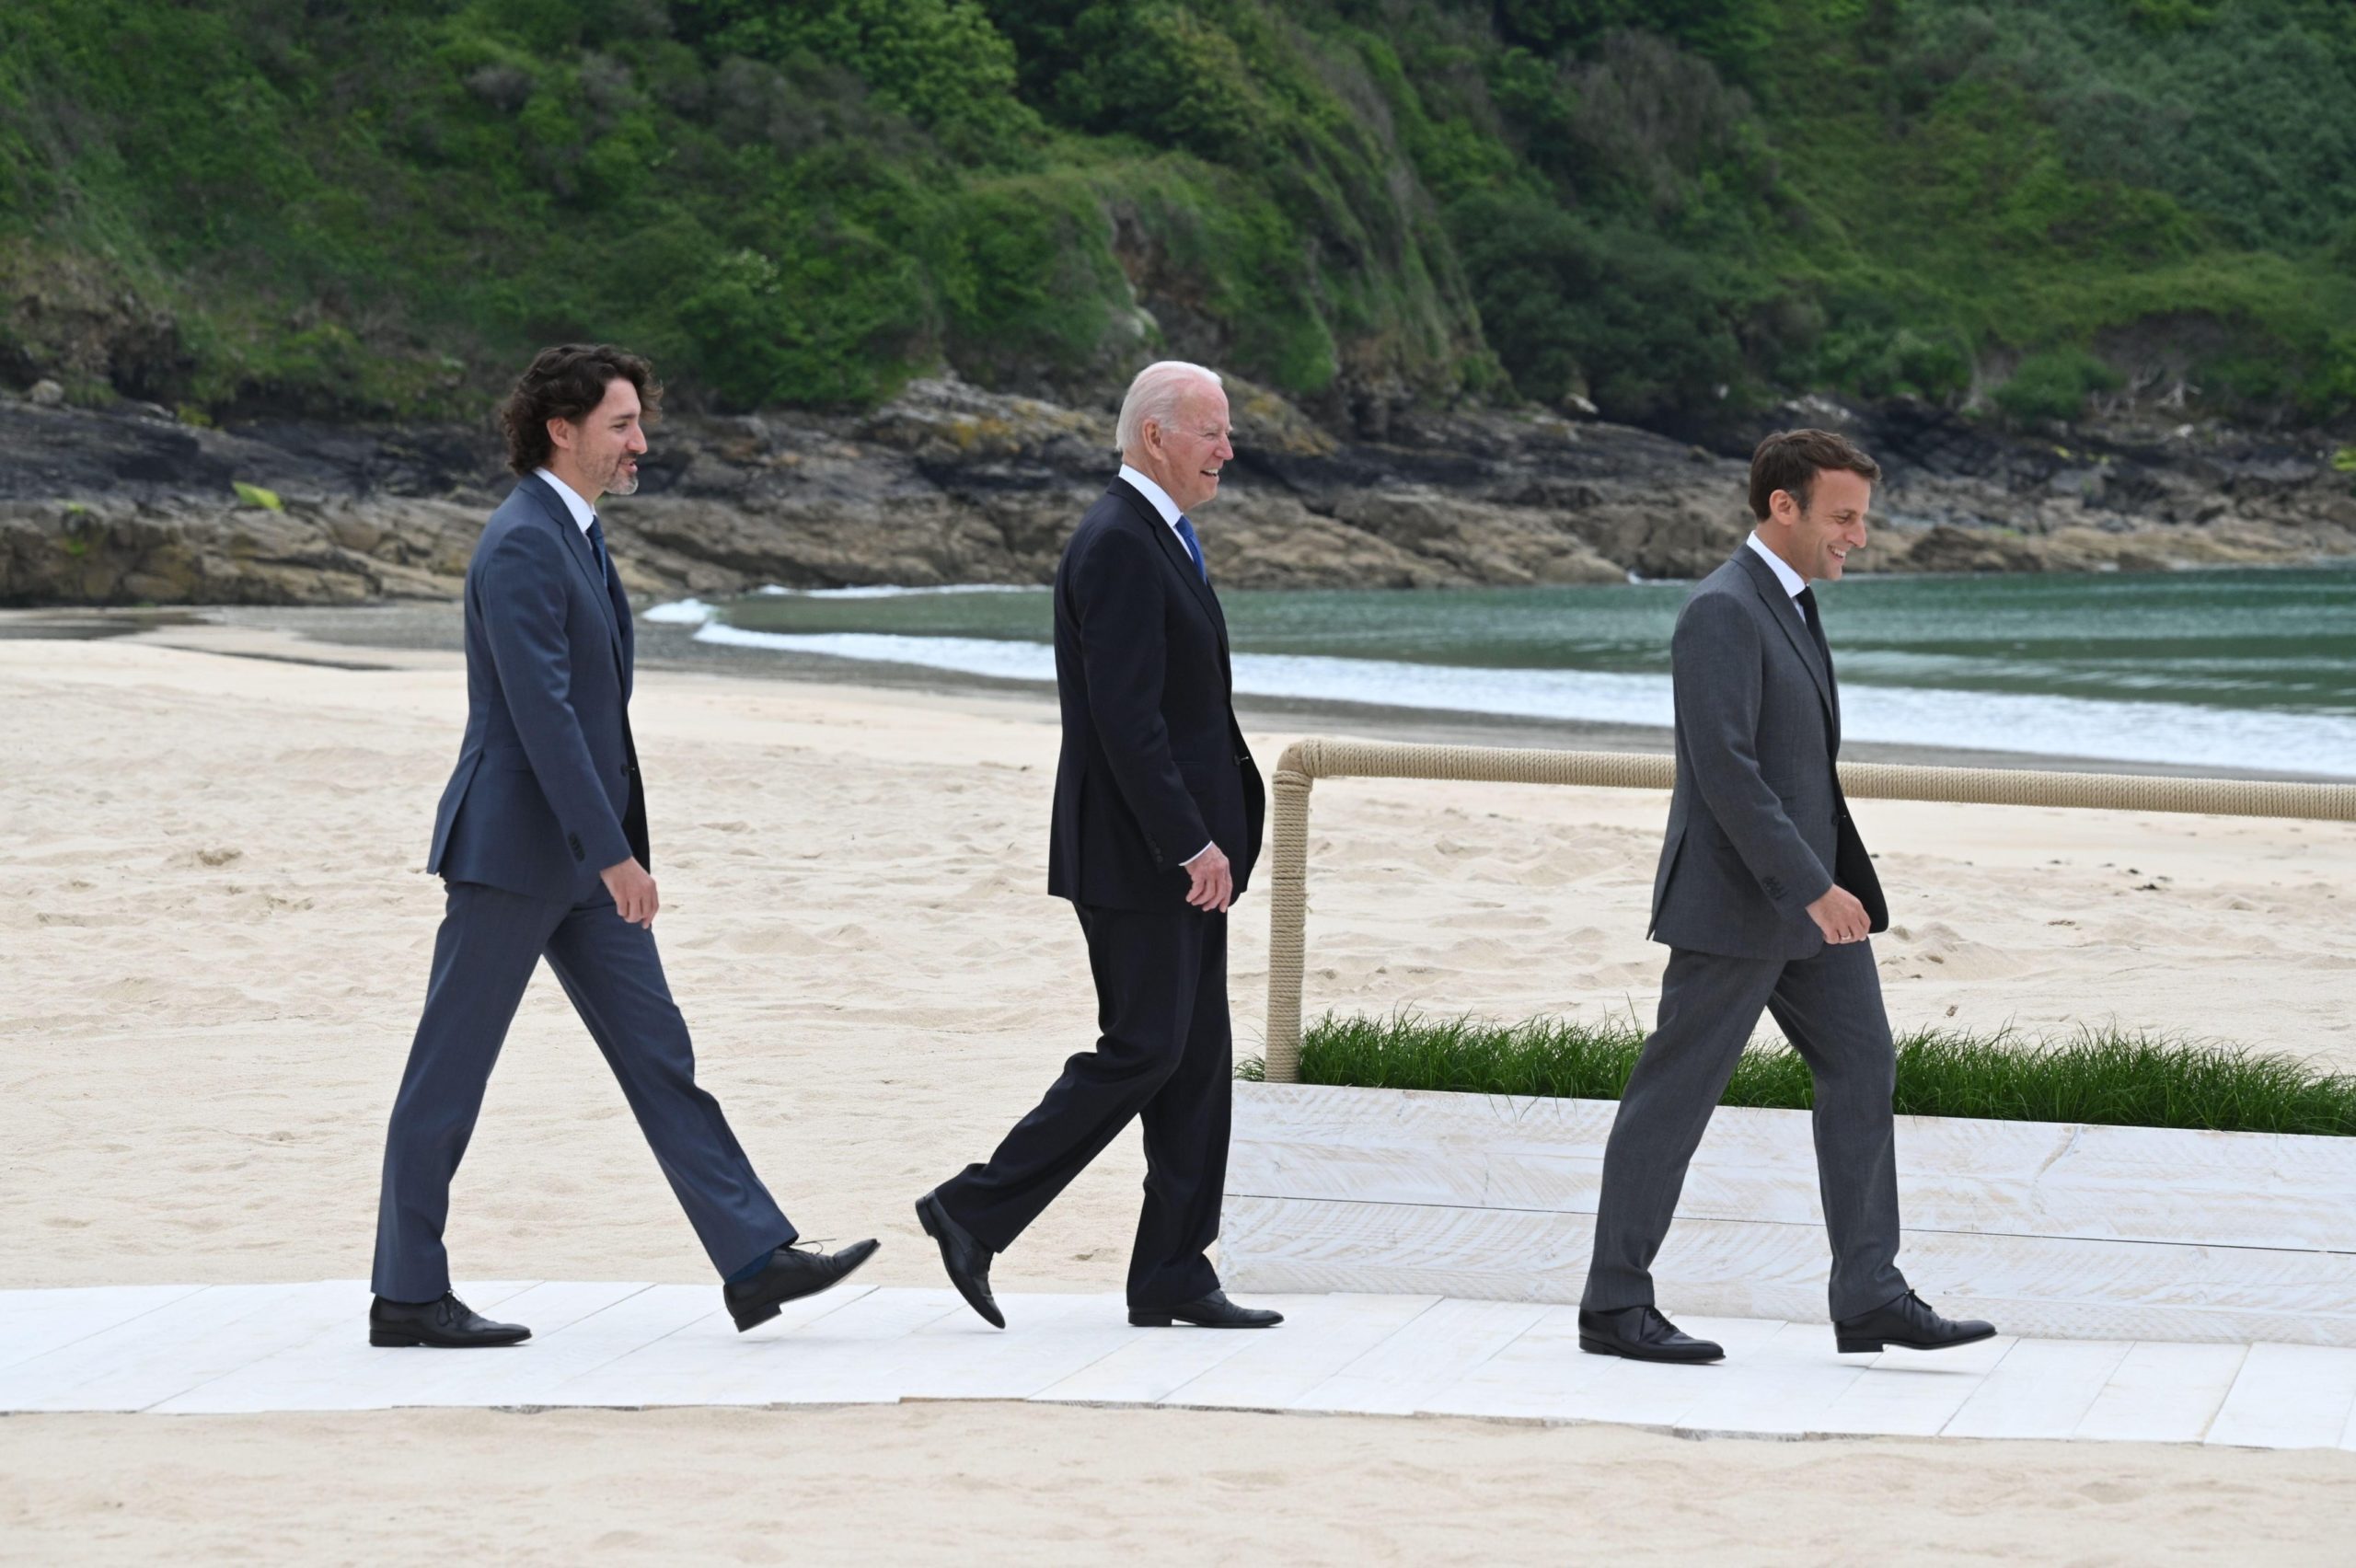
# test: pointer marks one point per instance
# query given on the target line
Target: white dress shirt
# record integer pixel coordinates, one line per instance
(583, 512)
(1794, 584)
(1159, 498)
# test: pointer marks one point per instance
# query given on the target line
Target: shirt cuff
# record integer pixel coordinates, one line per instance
(1200, 853)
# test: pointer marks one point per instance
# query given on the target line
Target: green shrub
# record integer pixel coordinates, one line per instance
(2054, 384)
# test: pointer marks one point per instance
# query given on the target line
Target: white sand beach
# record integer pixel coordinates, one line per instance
(216, 941)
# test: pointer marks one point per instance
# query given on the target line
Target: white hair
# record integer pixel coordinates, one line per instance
(1154, 395)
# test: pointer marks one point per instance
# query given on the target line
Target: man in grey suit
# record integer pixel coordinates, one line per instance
(541, 838)
(1765, 897)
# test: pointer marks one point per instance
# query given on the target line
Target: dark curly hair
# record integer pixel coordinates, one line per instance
(565, 382)
(1790, 460)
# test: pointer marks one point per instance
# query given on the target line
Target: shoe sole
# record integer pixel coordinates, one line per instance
(987, 1312)
(1848, 1347)
(397, 1339)
(751, 1317)
(1594, 1346)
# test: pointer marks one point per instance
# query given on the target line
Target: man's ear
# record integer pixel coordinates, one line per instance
(561, 434)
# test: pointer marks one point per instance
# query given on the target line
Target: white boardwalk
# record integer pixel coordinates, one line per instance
(211, 1349)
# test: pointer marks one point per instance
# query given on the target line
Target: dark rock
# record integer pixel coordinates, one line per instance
(948, 483)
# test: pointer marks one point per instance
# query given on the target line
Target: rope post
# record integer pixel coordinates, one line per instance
(1287, 907)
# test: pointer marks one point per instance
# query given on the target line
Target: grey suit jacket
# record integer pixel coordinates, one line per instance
(1758, 829)
(546, 793)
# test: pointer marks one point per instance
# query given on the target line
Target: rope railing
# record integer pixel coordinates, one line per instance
(1305, 762)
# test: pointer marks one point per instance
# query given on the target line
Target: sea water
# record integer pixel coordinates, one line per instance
(2244, 669)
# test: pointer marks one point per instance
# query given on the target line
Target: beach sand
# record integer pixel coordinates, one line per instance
(216, 946)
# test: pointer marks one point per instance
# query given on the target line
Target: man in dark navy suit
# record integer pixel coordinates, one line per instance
(541, 838)
(1156, 823)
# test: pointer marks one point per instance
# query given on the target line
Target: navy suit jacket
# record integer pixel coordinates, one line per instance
(1153, 764)
(546, 794)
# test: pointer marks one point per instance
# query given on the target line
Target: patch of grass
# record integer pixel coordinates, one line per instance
(2106, 1076)
(254, 495)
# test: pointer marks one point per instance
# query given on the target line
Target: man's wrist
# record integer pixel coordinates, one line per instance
(1198, 854)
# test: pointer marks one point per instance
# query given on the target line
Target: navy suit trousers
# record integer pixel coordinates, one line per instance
(483, 957)
(1165, 1058)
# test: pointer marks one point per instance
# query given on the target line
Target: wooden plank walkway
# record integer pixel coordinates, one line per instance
(245, 1348)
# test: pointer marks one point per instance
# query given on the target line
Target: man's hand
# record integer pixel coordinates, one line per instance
(1214, 880)
(633, 892)
(1840, 916)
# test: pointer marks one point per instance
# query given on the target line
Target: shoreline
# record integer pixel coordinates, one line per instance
(426, 628)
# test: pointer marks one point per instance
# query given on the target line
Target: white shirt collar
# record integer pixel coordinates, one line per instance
(583, 513)
(1157, 498)
(1794, 584)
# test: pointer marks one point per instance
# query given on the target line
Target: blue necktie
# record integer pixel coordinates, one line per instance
(597, 548)
(1193, 546)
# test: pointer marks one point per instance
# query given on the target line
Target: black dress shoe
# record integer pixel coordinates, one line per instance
(790, 1275)
(1641, 1334)
(967, 1261)
(447, 1324)
(1212, 1311)
(1909, 1324)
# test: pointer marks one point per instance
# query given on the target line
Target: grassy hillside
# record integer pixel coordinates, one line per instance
(1677, 210)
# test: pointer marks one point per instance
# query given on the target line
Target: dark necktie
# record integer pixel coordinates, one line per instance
(597, 548)
(1806, 600)
(1193, 546)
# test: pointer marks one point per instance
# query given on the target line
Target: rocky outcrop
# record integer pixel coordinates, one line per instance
(949, 483)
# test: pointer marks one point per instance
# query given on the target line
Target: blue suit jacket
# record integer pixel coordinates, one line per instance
(546, 793)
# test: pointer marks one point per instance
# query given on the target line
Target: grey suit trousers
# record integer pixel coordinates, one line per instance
(1830, 1007)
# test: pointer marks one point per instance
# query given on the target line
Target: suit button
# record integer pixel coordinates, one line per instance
(572, 842)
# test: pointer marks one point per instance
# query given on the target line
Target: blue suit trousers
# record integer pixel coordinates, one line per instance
(490, 942)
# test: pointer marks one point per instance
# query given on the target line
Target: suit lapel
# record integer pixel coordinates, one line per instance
(1786, 615)
(1179, 562)
(576, 542)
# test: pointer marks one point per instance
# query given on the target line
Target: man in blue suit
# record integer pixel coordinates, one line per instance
(541, 839)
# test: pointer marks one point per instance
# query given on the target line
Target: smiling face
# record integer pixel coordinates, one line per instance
(1815, 541)
(1185, 454)
(598, 454)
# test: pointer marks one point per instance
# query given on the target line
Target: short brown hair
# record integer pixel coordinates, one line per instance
(565, 382)
(1790, 460)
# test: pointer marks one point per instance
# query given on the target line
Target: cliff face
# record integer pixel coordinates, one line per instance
(950, 484)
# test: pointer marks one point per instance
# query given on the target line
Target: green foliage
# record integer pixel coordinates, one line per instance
(1677, 209)
(255, 496)
(1648, 329)
(940, 61)
(2054, 384)
(2102, 1077)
